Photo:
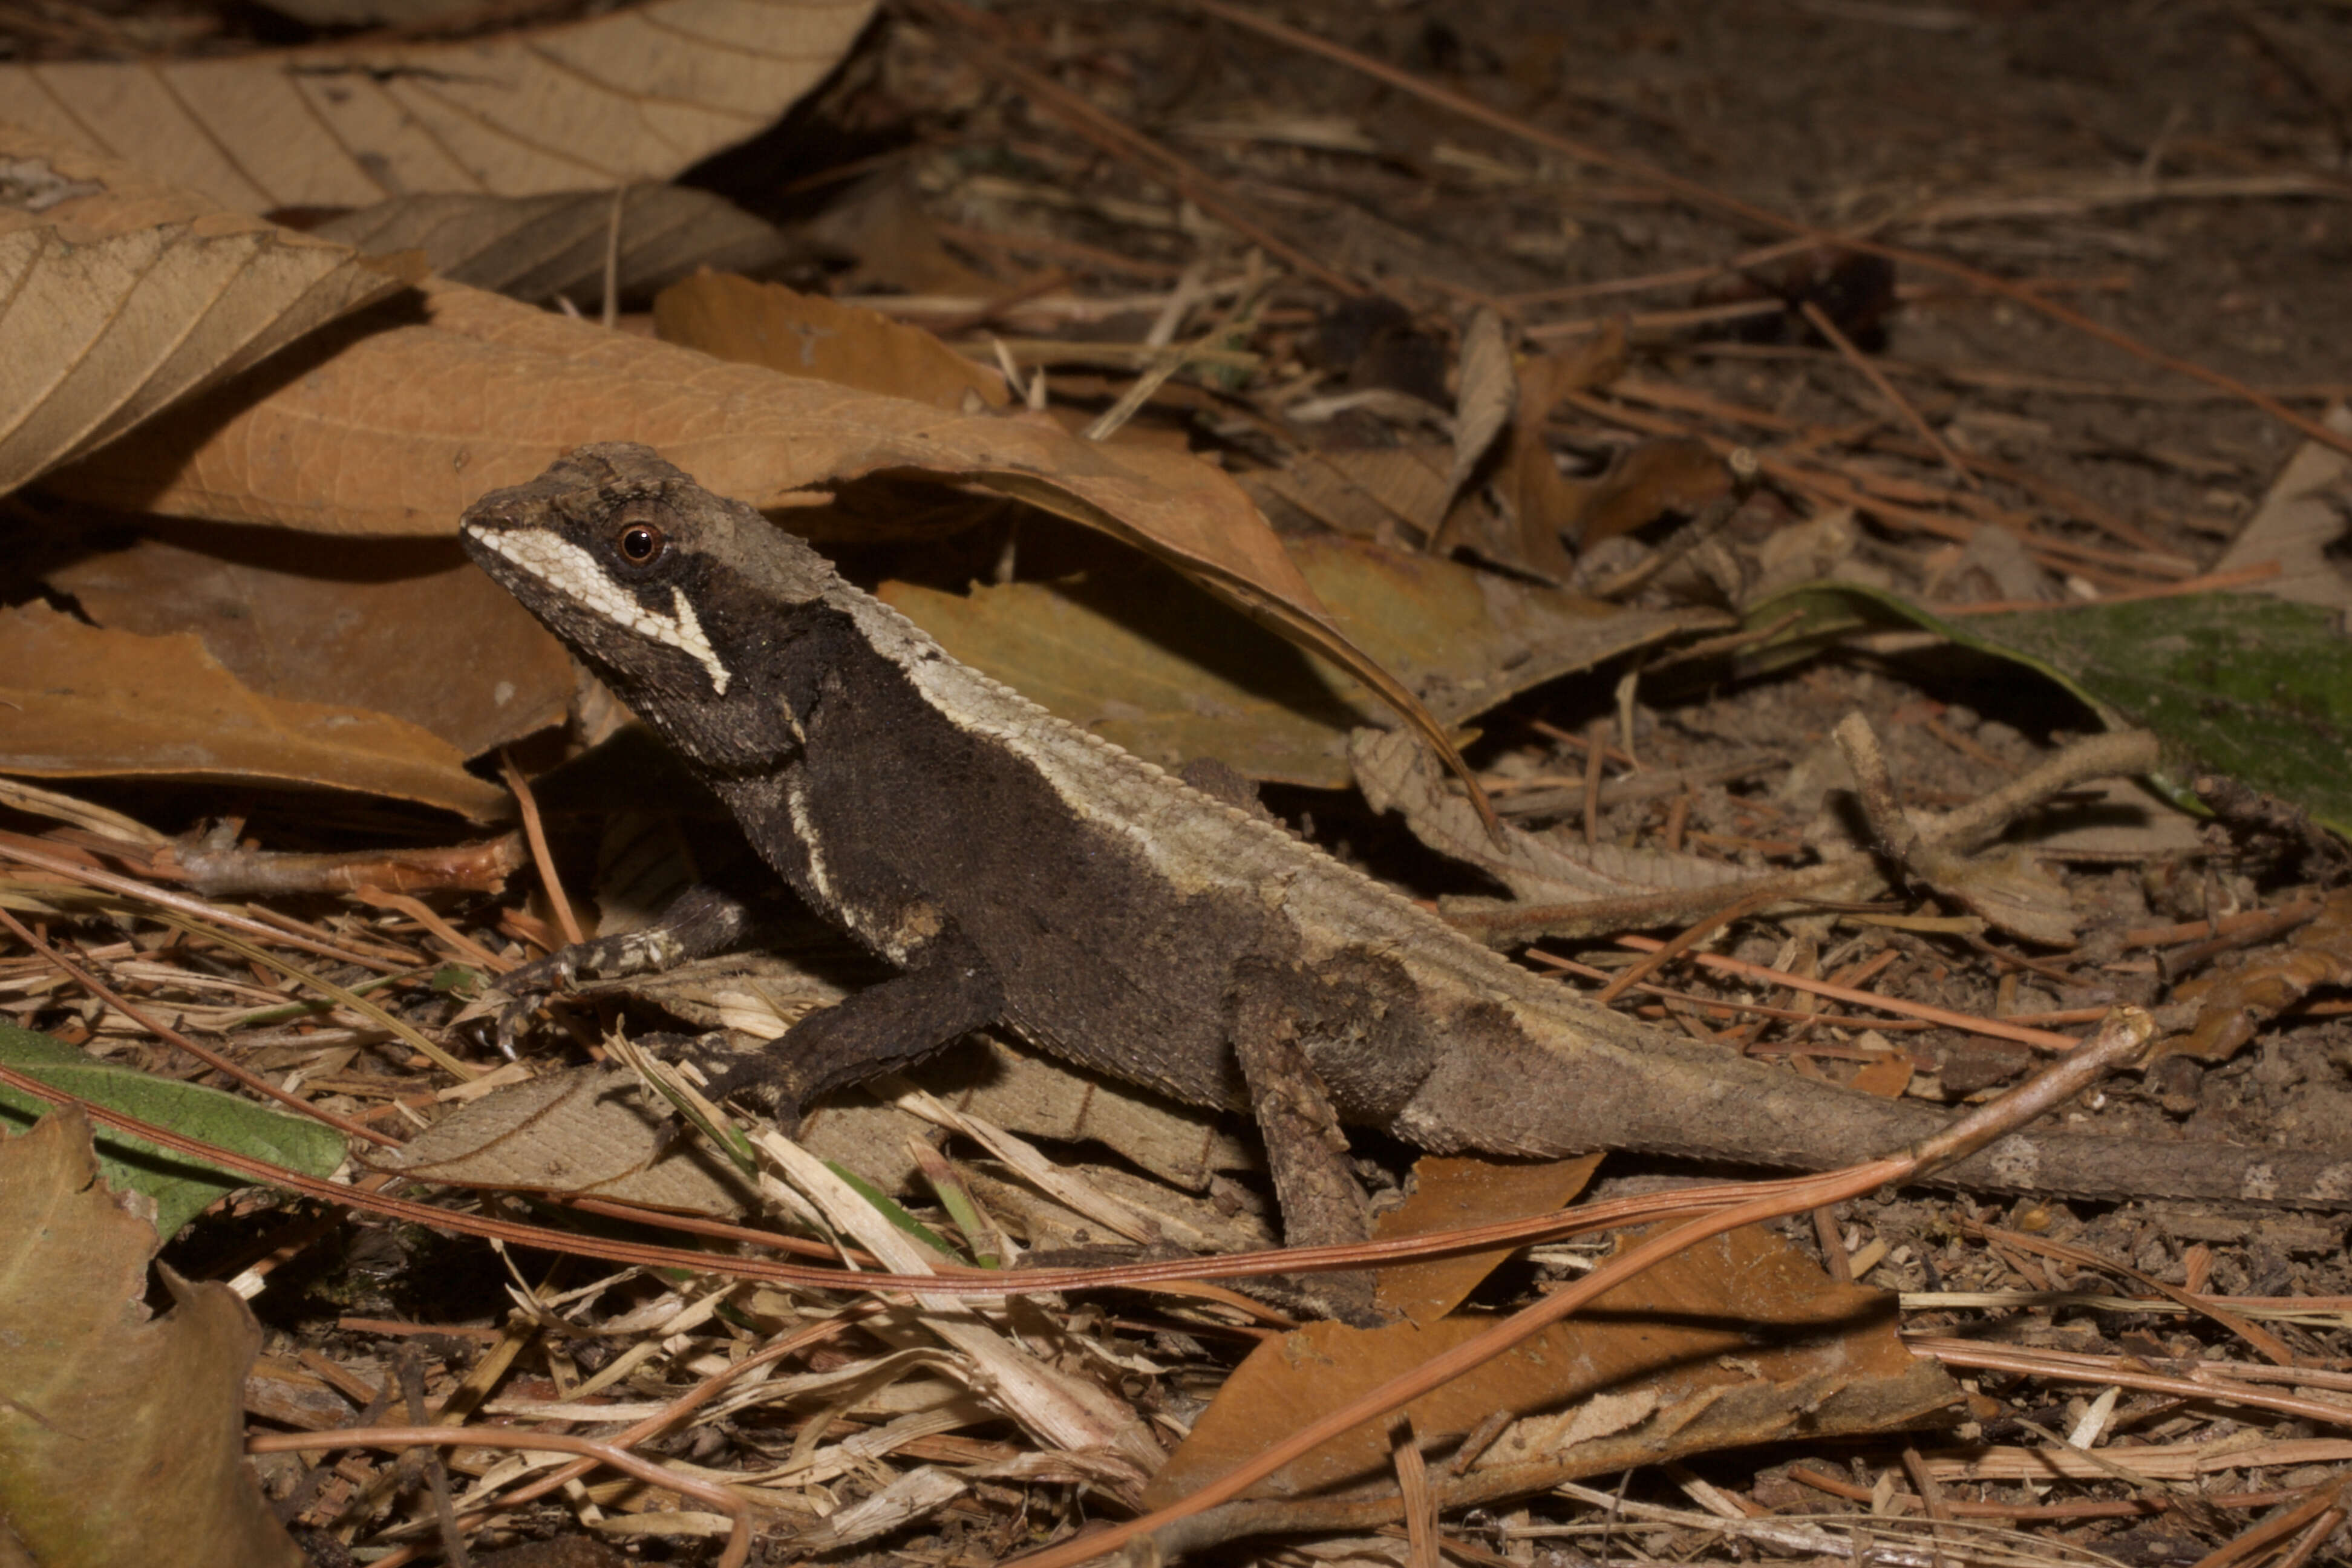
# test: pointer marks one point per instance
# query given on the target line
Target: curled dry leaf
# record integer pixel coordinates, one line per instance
(1740, 1339)
(638, 93)
(383, 429)
(83, 702)
(2232, 1003)
(1541, 508)
(121, 1436)
(119, 296)
(806, 334)
(544, 247)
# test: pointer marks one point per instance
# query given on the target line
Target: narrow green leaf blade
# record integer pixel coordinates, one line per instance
(180, 1188)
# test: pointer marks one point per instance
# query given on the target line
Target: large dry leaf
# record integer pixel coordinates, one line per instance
(121, 1439)
(82, 702)
(636, 94)
(407, 627)
(1139, 661)
(543, 247)
(119, 295)
(1739, 1340)
(381, 429)
(807, 334)
(590, 1132)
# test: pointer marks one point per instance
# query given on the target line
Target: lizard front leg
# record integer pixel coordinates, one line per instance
(948, 990)
(706, 918)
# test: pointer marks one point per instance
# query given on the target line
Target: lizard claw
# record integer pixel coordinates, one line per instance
(522, 992)
(760, 1078)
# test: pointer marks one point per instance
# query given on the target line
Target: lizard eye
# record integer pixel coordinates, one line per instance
(640, 543)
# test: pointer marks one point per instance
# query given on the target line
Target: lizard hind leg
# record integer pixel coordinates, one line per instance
(949, 992)
(1305, 1151)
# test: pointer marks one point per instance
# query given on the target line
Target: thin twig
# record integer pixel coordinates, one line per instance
(532, 830)
(1821, 322)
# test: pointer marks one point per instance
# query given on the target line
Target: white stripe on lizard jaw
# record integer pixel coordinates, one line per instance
(572, 572)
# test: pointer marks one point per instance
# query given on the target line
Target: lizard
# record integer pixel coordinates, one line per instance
(1019, 870)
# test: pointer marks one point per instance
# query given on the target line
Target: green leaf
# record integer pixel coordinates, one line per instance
(456, 979)
(180, 1188)
(2243, 684)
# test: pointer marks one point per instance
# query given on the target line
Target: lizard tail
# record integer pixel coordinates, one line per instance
(1653, 1093)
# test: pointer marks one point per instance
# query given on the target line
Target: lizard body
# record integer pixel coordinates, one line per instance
(1021, 871)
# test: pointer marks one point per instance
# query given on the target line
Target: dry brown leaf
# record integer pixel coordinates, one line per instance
(734, 318)
(1544, 507)
(120, 1438)
(2232, 1003)
(593, 1131)
(1887, 1076)
(1139, 661)
(639, 93)
(379, 429)
(1739, 1340)
(119, 296)
(1489, 390)
(1649, 480)
(1363, 491)
(543, 247)
(2300, 519)
(1450, 1192)
(406, 628)
(82, 702)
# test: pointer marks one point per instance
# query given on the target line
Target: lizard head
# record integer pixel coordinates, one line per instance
(673, 594)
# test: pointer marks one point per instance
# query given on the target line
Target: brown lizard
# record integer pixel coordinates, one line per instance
(1022, 872)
